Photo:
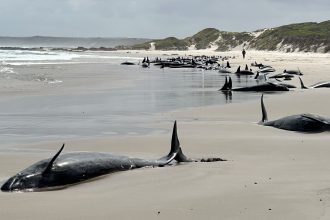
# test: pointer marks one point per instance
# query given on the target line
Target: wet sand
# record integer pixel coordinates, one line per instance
(270, 173)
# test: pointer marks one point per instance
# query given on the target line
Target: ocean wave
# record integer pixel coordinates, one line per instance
(23, 55)
(9, 73)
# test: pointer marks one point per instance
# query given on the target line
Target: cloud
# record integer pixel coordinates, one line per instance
(151, 18)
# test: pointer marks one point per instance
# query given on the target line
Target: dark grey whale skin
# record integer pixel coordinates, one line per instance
(71, 168)
(309, 123)
(263, 87)
(303, 123)
(324, 84)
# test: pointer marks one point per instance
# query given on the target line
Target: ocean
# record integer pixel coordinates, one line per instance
(49, 95)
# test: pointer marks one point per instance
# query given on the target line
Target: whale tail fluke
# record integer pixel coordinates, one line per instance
(175, 147)
(228, 85)
(176, 151)
(263, 110)
(177, 154)
(302, 84)
(224, 87)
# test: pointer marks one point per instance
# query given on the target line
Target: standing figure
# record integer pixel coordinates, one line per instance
(243, 53)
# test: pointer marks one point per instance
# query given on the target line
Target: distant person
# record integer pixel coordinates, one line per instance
(246, 67)
(243, 53)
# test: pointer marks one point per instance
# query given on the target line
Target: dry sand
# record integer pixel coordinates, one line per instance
(270, 173)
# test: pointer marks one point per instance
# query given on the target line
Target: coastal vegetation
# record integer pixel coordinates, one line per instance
(304, 37)
(307, 37)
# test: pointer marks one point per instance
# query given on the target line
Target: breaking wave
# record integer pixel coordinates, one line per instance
(9, 73)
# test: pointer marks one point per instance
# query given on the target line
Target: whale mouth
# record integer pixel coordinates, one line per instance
(9, 185)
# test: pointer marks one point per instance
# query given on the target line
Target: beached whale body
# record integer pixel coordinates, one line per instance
(301, 122)
(293, 72)
(325, 84)
(71, 168)
(243, 72)
(263, 87)
(284, 76)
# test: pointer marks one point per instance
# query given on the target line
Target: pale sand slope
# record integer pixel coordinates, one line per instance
(291, 171)
(270, 173)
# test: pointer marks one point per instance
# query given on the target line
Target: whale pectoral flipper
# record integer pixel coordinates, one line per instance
(50, 164)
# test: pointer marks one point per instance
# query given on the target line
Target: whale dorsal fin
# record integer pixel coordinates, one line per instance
(302, 84)
(263, 110)
(238, 69)
(50, 164)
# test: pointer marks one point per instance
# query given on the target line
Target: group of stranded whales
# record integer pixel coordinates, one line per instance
(64, 170)
(199, 62)
(301, 122)
(268, 86)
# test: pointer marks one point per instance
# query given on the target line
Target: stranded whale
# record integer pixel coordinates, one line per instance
(302, 122)
(325, 84)
(293, 72)
(243, 72)
(71, 168)
(263, 87)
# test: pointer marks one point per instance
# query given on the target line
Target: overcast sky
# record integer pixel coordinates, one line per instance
(151, 18)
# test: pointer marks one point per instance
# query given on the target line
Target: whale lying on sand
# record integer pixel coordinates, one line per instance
(303, 122)
(223, 70)
(127, 63)
(64, 170)
(263, 87)
(293, 72)
(243, 72)
(325, 84)
(284, 76)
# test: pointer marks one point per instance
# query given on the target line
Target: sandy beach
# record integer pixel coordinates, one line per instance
(269, 173)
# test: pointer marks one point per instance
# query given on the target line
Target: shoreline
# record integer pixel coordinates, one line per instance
(313, 73)
(270, 173)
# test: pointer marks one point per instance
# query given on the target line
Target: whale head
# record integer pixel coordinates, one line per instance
(23, 182)
(37, 176)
